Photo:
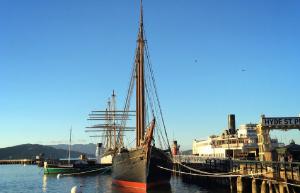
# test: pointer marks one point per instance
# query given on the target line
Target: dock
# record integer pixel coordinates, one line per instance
(239, 175)
(18, 161)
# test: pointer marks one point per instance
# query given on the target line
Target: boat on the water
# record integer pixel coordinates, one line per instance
(81, 166)
(73, 166)
(141, 166)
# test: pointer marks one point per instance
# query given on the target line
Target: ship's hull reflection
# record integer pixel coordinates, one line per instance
(166, 188)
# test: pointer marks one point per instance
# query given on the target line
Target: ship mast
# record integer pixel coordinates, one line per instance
(111, 126)
(113, 99)
(140, 82)
(70, 140)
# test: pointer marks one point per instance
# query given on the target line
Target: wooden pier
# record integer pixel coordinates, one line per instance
(18, 161)
(240, 175)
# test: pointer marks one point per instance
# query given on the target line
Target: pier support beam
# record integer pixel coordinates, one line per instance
(282, 188)
(254, 186)
(263, 188)
(239, 185)
(276, 186)
(270, 187)
(232, 185)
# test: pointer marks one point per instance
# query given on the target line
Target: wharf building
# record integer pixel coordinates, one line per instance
(233, 143)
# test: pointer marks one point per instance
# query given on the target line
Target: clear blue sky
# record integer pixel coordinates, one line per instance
(61, 59)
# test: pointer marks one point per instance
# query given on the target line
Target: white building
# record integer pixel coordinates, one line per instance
(242, 143)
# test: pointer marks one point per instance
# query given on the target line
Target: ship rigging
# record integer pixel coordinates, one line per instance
(138, 167)
(147, 102)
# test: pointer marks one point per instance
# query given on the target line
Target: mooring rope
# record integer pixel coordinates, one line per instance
(203, 172)
(297, 185)
(219, 175)
(209, 175)
(90, 171)
(278, 182)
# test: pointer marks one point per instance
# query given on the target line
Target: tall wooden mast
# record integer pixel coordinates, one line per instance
(140, 81)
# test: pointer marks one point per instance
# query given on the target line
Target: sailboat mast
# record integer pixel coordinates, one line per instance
(69, 160)
(140, 83)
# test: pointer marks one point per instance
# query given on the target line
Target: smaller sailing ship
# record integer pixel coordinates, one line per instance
(78, 166)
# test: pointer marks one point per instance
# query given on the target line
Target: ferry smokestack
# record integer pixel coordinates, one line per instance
(231, 123)
(98, 152)
(175, 148)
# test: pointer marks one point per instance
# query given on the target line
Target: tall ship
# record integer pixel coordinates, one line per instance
(142, 165)
(105, 132)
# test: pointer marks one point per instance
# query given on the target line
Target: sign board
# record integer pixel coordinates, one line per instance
(281, 122)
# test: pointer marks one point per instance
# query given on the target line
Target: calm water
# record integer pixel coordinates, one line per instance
(30, 179)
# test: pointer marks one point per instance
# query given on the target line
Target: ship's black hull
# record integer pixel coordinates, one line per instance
(133, 169)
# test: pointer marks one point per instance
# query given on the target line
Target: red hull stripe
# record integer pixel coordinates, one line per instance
(139, 185)
(130, 184)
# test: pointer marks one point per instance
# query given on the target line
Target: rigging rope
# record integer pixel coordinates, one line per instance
(156, 93)
(127, 105)
(153, 109)
(152, 95)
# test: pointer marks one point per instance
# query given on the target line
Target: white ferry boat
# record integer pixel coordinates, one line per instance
(232, 143)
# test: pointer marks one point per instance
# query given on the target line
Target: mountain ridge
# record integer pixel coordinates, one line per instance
(84, 148)
(30, 151)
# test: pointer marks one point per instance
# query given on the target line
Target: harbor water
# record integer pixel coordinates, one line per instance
(30, 179)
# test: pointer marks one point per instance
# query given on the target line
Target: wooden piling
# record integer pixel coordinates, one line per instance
(231, 184)
(276, 188)
(254, 186)
(239, 185)
(232, 181)
(263, 188)
(270, 186)
(282, 188)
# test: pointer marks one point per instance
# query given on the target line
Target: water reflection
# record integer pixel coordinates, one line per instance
(97, 182)
(44, 186)
(29, 179)
(80, 180)
(103, 183)
(166, 188)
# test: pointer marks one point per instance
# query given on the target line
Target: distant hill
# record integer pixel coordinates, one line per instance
(28, 151)
(84, 148)
(187, 152)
